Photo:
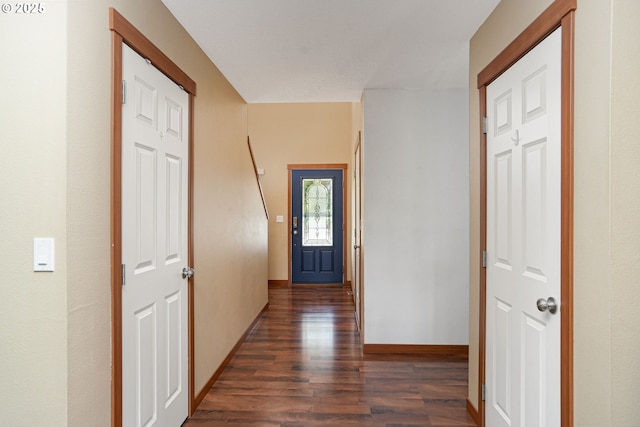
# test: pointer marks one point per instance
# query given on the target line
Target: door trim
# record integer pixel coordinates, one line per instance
(122, 31)
(561, 13)
(343, 167)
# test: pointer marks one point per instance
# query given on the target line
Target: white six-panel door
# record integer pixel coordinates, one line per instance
(357, 240)
(154, 246)
(523, 241)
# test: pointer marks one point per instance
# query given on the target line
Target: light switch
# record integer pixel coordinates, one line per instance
(279, 218)
(43, 254)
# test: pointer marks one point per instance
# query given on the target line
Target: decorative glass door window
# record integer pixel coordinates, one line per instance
(317, 208)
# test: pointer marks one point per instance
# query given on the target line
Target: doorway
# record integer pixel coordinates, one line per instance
(357, 234)
(178, 382)
(523, 240)
(561, 13)
(317, 213)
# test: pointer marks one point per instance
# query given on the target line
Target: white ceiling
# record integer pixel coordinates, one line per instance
(330, 50)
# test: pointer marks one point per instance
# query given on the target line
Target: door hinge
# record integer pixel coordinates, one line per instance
(124, 274)
(484, 259)
(485, 125)
(484, 392)
(124, 92)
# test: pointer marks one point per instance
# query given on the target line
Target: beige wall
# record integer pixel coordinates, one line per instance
(606, 201)
(33, 198)
(592, 271)
(625, 213)
(283, 134)
(55, 328)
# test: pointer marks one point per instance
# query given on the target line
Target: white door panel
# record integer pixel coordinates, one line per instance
(523, 240)
(154, 247)
(145, 352)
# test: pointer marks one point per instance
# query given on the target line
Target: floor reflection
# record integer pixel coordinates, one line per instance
(302, 365)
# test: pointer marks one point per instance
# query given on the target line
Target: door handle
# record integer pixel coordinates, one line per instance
(548, 304)
(187, 272)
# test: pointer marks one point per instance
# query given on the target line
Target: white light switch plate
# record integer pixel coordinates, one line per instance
(279, 218)
(43, 254)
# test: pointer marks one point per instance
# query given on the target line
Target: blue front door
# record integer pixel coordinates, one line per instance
(316, 226)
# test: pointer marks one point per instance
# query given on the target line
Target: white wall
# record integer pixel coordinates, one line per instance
(416, 216)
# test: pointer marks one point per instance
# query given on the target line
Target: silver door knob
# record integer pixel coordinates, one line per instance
(548, 304)
(187, 272)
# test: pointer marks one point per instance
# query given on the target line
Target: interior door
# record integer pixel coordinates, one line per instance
(357, 226)
(154, 246)
(523, 241)
(316, 226)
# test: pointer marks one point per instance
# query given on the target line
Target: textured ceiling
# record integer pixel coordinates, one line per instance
(330, 50)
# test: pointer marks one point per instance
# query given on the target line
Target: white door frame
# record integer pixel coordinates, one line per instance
(122, 31)
(561, 13)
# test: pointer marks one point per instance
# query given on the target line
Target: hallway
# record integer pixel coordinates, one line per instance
(302, 365)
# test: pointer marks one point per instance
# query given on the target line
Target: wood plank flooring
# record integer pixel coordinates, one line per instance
(302, 365)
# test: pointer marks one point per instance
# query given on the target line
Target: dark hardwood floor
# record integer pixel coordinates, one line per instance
(302, 365)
